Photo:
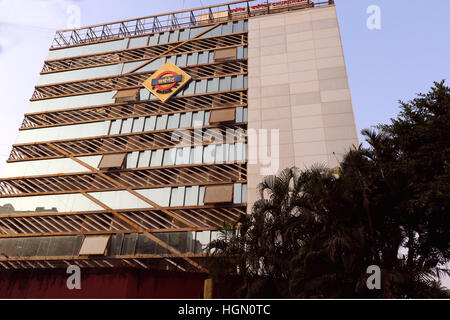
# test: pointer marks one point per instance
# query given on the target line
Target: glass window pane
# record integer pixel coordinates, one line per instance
(239, 151)
(132, 159)
(169, 157)
(145, 94)
(238, 26)
(160, 196)
(214, 32)
(244, 193)
(225, 84)
(47, 203)
(190, 89)
(119, 200)
(138, 125)
(173, 36)
(161, 122)
(173, 121)
(177, 199)
(64, 132)
(154, 38)
(154, 65)
(220, 156)
(156, 159)
(163, 38)
(227, 28)
(203, 57)
(138, 42)
(213, 85)
(201, 194)
(182, 60)
(144, 159)
(90, 49)
(198, 154)
(198, 118)
(207, 114)
(186, 120)
(209, 154)
(240, 52)
(172, 59)
(202, 241)
(196, 31)
(115, 126)
(183, 155)
(192, 59)
(129, 244)
(191, 198)
(237, 193)
(150, 123)
(239, 115)
(184, 34)
(126, 126)
(237, 82)
(231, 153)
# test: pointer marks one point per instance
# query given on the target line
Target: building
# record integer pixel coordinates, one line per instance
(144, 136)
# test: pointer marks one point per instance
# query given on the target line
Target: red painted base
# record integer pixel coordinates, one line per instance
(101, 284)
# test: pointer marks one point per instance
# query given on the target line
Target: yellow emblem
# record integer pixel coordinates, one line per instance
(165, 82)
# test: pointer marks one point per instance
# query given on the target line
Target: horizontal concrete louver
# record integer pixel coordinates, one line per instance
(127, 95)
(225, 54)
(94, 245)
(222, 115)
(218, 194)
(112, 161)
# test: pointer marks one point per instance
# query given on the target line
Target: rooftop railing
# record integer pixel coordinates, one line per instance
(176, 20)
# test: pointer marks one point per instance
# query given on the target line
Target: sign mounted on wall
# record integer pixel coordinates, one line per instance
(165, 82)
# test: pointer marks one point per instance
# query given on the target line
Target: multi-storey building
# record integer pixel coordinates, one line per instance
(134, 153)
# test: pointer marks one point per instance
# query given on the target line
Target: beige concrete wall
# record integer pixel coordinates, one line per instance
(298, 84)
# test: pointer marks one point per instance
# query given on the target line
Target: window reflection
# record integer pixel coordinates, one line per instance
(48, 166)
(63, 132)
(47, 203)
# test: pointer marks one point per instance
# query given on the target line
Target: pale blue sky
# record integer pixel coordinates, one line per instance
(403, 58)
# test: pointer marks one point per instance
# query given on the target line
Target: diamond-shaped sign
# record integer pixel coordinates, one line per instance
(166, 81)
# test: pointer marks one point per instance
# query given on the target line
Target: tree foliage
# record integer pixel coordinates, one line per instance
(313, 233)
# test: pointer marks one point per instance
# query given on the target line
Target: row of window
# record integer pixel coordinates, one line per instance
(221, 153)
(173, 121)
(206, 86)
(194, 87)
(157, 38)
(121, 126)
(184, 242)
(185, 34)
(117, 244)
(181, 60)
(117, 200)
(210, 154)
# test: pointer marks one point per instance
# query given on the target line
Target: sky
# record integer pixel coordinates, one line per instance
(403, 58)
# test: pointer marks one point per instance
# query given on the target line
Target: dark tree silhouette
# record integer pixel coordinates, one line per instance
(313, 233)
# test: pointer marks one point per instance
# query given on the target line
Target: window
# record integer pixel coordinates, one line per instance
(112, 161)
(225, 54)
(94, 245)
(222, 115)
(218, 194)
(127, 95)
